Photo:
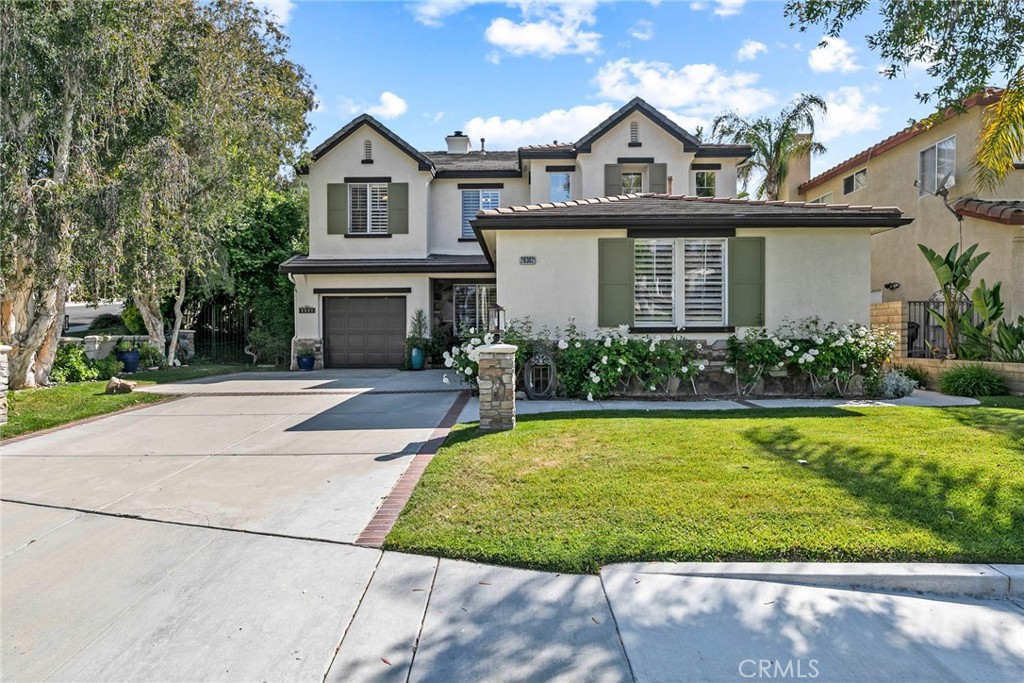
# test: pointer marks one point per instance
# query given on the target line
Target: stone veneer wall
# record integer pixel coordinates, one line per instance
(497, 382)
(4, 382)
(318, 351)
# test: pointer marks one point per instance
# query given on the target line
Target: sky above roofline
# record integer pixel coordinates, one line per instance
(532, 73)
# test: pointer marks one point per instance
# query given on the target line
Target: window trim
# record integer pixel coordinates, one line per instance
(853, 177)
(551, 179)
(714, 183)
(623, 172)
(465, 229)
(679, 296)
(675, 284)
(371, 230)
(481, 328)
(817, 200)
(920, 190)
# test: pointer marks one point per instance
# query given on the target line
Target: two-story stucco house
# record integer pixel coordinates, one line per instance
(907, 169)
(635, 223)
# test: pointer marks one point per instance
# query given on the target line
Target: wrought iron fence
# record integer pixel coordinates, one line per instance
(221, 329)
(924, 332)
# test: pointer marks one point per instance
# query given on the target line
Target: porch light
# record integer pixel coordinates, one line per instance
(496, 322)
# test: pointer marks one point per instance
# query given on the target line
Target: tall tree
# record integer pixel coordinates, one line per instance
(774, 141)
(965, 45)
(73, 73)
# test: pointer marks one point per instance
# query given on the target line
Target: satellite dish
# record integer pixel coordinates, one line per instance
(948, 181)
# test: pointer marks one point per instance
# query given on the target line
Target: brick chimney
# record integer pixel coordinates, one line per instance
(799, 173)
(458, 143)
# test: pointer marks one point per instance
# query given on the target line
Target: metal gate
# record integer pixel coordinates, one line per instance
(221, 329)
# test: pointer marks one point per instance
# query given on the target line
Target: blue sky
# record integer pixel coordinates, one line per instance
(531, 72)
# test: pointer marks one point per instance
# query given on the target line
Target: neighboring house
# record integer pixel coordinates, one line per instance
(886, 174)
(665, 248)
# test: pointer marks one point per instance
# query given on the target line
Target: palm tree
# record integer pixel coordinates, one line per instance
(774, 141)
(1001, 141)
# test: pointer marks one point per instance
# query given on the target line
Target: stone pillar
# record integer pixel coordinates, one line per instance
(4, 382)
(318, 351)
(187, 343)
(497, 381)
(895, 315)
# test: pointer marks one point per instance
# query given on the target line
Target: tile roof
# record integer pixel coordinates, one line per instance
(435, 263)
(637, 209)
(983, 98)
(995, 210)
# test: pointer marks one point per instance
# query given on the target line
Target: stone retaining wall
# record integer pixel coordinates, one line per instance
(4, 382)
(895, 315)
(1013, 373)
(97, 346)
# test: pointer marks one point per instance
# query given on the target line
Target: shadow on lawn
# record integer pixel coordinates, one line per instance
(967, 507)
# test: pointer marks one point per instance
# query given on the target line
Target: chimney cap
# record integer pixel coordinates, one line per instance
(458, 134)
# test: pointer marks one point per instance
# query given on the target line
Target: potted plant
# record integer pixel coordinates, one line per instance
(128, 353)
(416, 342)
(305, 357)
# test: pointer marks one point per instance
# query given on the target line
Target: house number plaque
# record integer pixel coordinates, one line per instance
(527, 260)
(307, 309)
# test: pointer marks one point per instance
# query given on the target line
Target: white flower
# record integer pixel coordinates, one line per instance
(789, 354)
(562, 344)
(595, 379)
(781, 364)
(446, 380)
(590, 396)
(578, 345)
(623, 330)
(863, 365)
(607, 342)
(700, 367)
(813, 352)
(795, 348)
(448, 362)
(622, 361)
(488, 338)
(604, 360)
(835, 370)
(653, 387)
(472, 330)
(685, 369)
(468, 370)
(700, 346)
(728, 370)
(475, 341)
(653, 345)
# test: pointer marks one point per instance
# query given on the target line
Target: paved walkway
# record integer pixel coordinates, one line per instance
(211, 538)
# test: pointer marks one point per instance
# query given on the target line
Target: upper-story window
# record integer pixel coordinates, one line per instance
(367, 150)
(632, 182)
(368, 208)
(935, 163)
(561, 190)
(477, 200)
(823, 199)
(634, 132)
(857, 181)
(704, 183)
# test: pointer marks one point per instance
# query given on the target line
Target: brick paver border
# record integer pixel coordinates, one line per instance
(375, 532)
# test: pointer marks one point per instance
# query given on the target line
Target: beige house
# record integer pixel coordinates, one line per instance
(907, 170)
(636, 223)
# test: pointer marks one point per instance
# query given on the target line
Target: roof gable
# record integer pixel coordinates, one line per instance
(366, 120)
(690, 143)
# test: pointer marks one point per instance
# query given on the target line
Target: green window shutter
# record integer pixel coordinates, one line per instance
(658, 178)
(746, 281)
(615, 282)
(398, 208)
(612, 179)
(337, 209)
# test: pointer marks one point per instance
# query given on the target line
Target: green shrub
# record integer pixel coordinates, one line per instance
(133, 319)
(71, 365)
(971, 380)
(108, 323)
(107, 367)
(268, 346)
(914, 373)
(895, 384)
(150, 356)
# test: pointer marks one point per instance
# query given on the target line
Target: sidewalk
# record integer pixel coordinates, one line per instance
(920, 398)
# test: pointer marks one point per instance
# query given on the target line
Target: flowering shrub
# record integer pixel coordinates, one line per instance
(464, 359)
(831, 355)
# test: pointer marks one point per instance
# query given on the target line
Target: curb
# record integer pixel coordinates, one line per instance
(974, 580)
(86, 420)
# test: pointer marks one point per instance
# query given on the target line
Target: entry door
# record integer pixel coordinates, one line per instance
(364, 332)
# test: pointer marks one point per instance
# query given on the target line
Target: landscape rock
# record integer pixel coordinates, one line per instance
(119, 386)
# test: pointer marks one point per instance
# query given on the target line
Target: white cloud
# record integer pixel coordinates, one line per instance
(697, 89)
(750, 50)
(547, 30)
(835, 55)
(280, 10)
(642, 30)
(848, 113)
(437, 117)
(391, 106)
(566, 125)
(728, 8)
(494, 57)
(698, 6)
(433, 12)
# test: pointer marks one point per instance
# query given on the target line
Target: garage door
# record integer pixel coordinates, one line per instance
(364, 332)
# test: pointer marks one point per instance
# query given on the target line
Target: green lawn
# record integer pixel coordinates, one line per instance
(572, 492)
(30, 410)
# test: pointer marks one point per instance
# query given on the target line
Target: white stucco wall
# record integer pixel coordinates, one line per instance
(725, 177)
(446, 211)
(823, 272)
(388, 161)
(540, 179)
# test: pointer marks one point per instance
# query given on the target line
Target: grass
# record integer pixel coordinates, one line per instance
(31, 410)
(572, 492)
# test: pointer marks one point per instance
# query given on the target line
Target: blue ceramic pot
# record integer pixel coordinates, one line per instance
(305, 362)
(130, 360)
(417, 359)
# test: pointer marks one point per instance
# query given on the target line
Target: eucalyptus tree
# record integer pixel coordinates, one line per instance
(774, 141)
(963, 45)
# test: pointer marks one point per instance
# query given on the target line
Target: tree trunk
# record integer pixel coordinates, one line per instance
(28, 316)
(149, 307)
(47, 351)
(172, 349)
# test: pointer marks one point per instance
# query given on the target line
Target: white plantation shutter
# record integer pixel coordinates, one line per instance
(477, 200)
(653, 298)
(357, 202)
(368, 208)
(704, 282)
